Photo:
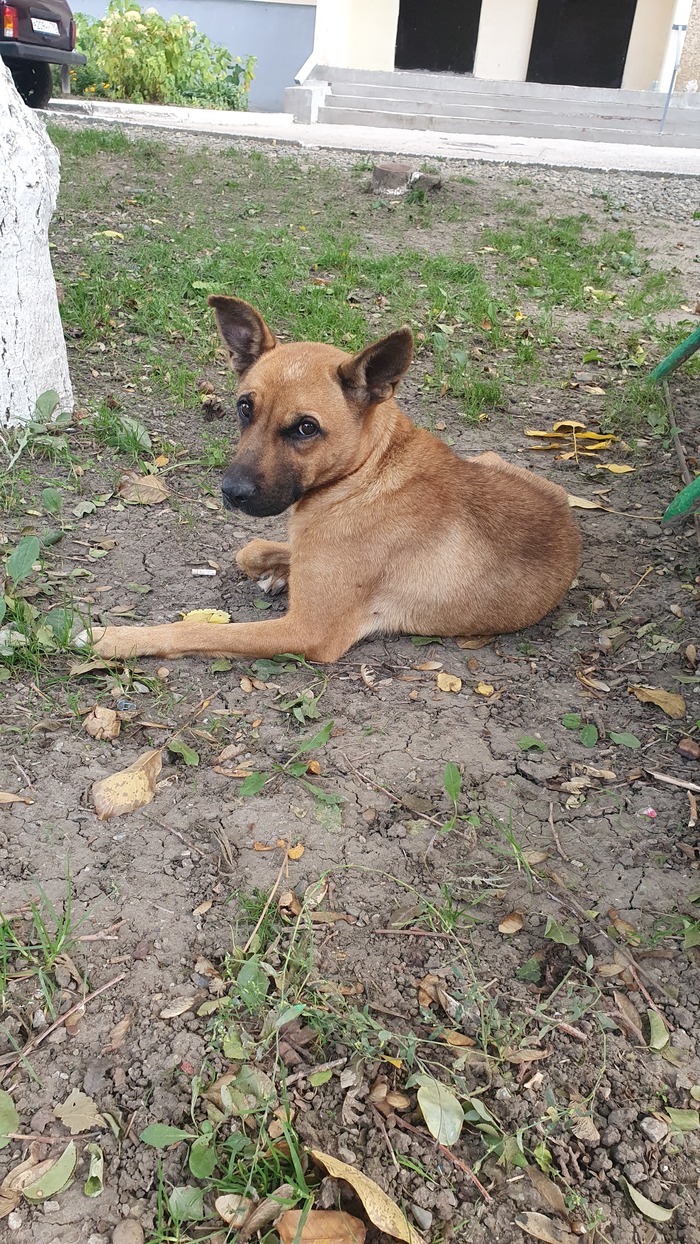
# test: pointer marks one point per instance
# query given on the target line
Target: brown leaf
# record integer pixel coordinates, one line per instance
(79, 1113)
(178, 1007)
(233, 1209)
(321, 1226)
(512, 923)
(459, 1039)
(8, 1202)
(116, 1037)
(398, 1101)
(380, 1209)
(519, 1057)
(449, 682)
(671, 703)
(629, 1017)
(472, 641)
(584, 503)
(7, 797)
(550, 1193)
(102, 723)
(585, 1129)
(265, 1212)
(142, 489)
(289, 903)
(542, 1228)
(130, 788)
(429, 665)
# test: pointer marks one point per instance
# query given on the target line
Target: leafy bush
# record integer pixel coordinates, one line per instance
(136, 54)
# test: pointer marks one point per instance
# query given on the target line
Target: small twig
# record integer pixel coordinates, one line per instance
(380, 1124)
(582, 914)
(685, 470)
(672, 781)
(36, 1041)
(693, 811)
(163, 825)
(46, 1140)
(22, 773)
(104, 934)
(413, 933)
(434, 820)
(639, 583)
(270, 897)
(559, 1024)
(449, 1154)
(560, 850)
(314, 1071)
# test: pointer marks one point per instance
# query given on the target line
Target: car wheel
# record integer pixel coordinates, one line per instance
(33, 81)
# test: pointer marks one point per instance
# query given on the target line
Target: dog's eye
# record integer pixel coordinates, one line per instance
(307, 427)
(245, 409)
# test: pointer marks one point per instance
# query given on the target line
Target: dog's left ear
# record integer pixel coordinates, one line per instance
(242, 330)
(371, 376)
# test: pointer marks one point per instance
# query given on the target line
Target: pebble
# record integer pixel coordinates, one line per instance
(14, 1220)
(129, 1231)
(655, 1130)
(423, 1217)
(635, 1172)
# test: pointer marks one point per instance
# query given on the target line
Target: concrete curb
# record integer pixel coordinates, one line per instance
(281, 128)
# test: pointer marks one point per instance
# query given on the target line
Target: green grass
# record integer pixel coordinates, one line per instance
(31, 947)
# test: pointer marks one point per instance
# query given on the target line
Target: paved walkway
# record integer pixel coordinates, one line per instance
(280, 127)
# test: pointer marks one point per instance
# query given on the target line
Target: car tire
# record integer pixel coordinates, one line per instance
(33, 81)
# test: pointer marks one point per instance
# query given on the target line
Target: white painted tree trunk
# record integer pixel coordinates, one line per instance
(33, 355)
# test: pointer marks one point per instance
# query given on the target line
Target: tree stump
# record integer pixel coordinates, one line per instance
(33, 356)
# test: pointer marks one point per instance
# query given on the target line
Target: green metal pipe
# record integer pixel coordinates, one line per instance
(677, 356)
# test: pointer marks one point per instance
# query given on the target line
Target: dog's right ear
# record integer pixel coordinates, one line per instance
(242, 330)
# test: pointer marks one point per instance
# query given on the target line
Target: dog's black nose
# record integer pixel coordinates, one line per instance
(237, 489)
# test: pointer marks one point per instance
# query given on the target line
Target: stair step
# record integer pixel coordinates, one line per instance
(591, 131)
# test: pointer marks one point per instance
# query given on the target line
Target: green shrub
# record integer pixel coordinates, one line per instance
(136, 54)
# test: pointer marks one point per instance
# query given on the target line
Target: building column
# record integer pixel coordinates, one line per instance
(647, 46)
(356, 34)
(505, 37)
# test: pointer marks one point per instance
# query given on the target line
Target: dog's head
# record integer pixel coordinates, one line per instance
(303, 408)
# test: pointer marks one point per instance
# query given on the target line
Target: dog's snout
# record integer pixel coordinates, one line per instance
(237, 490)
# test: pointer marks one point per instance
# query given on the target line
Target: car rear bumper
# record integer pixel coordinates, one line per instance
(11, 50)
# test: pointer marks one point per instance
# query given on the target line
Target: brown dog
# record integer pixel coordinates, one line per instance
(390, 531)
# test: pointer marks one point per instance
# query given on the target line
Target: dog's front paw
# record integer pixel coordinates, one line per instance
(273, 583)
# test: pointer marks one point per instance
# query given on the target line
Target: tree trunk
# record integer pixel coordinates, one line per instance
(33, 355)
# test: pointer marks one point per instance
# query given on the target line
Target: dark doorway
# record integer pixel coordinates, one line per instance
(437, 34)
(581, 42)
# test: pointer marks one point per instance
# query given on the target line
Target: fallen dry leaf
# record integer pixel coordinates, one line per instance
(130, 788)
(669, 701)
(459, 1039)
(296, 852)
(289, 903)
(218, 617)
(7, 797)
(233, 1209)
(265, 1212)
(551, 1194)
(79, 1113)
(380, 1209)
(585, 1129)
(102, 723)
(484, 688)
(512, 923)
(142, 489)
(321, 1226)
(472, 641)
(542, 1228)
(178, 1008)
(429, 665)
(449, 682)
(614, 468)
(584, 503)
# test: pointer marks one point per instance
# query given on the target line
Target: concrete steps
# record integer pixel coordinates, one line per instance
(450, 103)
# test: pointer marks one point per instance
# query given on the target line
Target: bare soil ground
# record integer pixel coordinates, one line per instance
(568, 830)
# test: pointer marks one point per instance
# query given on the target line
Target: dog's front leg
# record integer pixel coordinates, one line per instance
(297, 632)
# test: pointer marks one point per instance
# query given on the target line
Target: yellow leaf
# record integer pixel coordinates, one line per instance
(614, 468)
(484, 688)
(594, 388)
(142, 489)
(395, 1062)
(533, 432)
(380, 1209)
(130, 788)
(671, 703)
(295, 853)
(583, 503)
(458, 1039)
(567, 425)
(217, 616)
(449, 682)
(161, 461)
(512, 923)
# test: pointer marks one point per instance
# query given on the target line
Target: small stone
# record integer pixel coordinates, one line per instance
(655, 1130)
(635, 1172)
(423, 1217)
(129, 1231)
(14, 1220)
(689, 749)
(425, 181)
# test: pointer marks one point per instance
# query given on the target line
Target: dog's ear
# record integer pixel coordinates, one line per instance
(371, 376)
(242, 330)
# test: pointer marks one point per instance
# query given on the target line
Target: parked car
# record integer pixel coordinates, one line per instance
(34, 35)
